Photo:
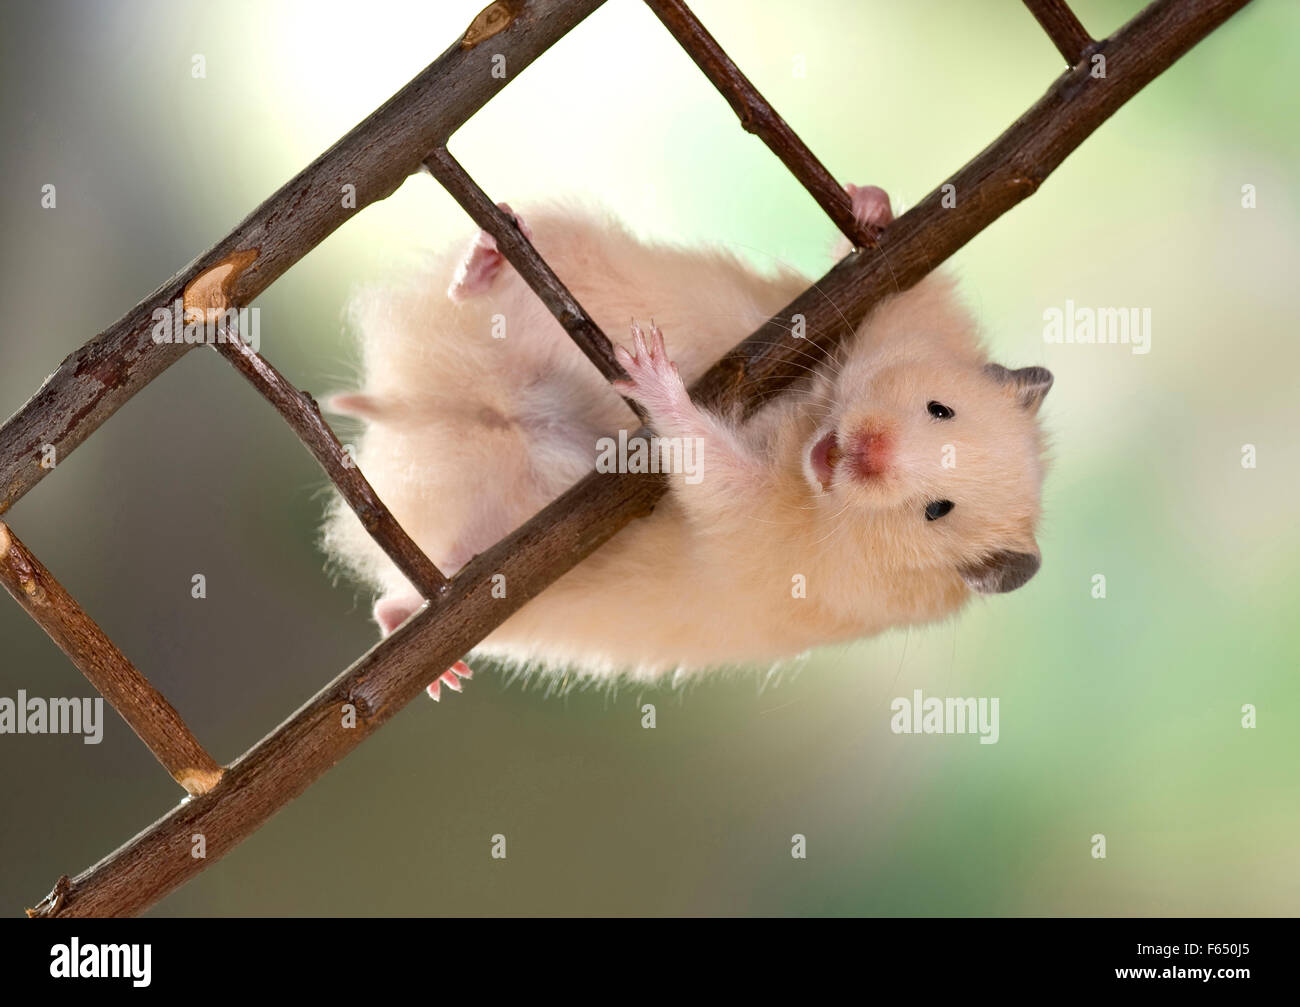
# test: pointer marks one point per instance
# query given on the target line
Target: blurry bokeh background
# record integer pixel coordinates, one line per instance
(1119, 716)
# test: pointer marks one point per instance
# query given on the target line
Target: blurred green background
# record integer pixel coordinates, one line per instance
(1118, 716)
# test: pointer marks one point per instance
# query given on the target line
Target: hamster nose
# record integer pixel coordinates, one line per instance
(870, 452)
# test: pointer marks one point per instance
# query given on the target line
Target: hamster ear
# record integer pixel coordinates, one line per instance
(1001, 571)
(1029, 383)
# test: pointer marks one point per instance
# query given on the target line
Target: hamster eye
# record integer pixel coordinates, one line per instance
(939, 411)
(937, 509)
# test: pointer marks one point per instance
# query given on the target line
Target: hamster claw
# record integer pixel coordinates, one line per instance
(649, 345)
(451, 678)
(653, 378)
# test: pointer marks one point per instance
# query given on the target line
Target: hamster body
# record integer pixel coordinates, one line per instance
(882, 489)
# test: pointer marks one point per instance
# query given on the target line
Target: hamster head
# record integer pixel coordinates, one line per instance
(942, 455)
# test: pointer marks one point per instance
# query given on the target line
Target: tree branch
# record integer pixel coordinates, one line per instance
(535, 270)
(142, 706)
(395, 671)
(375, 157)
(1063, 28)
(761, 119)
(205, 303)
(302, 414)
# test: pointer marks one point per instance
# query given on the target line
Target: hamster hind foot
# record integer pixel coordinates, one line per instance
(451, 678)
(391, 613)
(482, 262)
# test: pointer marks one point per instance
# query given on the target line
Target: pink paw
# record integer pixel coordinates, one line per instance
(870, 205)
(451, 678)
(391, 612)
(482, 262)
(652, 378)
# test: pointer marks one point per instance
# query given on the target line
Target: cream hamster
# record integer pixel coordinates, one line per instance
(884, 488)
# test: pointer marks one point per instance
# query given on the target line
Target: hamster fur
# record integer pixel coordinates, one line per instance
(852, 483)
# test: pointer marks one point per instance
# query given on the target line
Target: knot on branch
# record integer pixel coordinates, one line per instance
(20, 566)
(1027, 181)
(52, 903)
(309, 401)
(212, 291)
(758, 119)
(365, 709)
(372, 517)
(198, 780)
(494, 18)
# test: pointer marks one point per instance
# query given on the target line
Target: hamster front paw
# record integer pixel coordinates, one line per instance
(652, 377)
(870, 205)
